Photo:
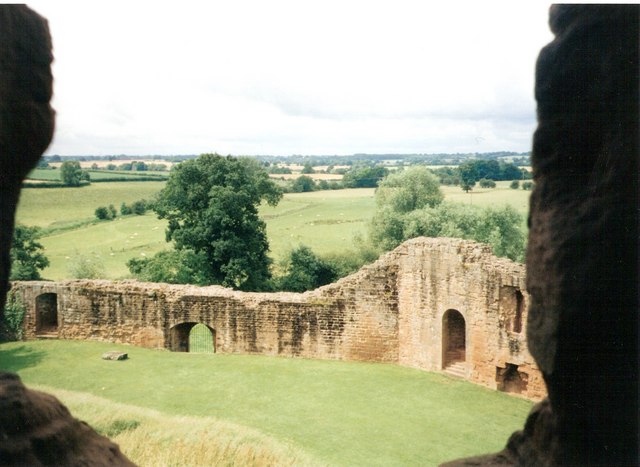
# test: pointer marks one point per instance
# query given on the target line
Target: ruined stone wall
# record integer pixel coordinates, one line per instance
(436, 275)
(390, 311)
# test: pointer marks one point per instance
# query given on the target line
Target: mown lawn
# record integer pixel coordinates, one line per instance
(340, 413)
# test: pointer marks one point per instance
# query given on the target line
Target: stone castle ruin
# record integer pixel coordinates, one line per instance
(434, 304)
(411, 307)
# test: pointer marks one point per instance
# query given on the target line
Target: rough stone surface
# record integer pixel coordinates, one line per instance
(582, 259)
(36, 430)
(391, 311)
(26, 118)
(115, 355)
(583, 245)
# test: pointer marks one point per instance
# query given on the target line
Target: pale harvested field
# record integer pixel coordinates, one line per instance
(103, 164)
(313, 176)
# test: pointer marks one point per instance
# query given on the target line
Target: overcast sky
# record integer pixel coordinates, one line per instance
(294, 77)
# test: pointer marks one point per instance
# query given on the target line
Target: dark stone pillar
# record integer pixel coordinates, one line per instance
(26, 118)
(582, 258)
(35, 428)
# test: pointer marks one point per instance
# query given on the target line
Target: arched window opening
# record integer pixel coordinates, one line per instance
(509, 379)
(47, 313)
(453, 338)
(192, 337)
(517, 322)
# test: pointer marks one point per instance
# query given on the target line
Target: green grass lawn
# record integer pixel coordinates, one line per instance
(341, 413)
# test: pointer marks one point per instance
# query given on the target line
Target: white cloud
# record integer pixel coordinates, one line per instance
(283, 77)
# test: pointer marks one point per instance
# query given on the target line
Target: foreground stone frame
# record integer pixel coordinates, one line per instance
(432, 304)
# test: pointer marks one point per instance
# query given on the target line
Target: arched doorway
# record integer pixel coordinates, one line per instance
(47, 313)
(192, 337)
(201, 339)
(454, 345)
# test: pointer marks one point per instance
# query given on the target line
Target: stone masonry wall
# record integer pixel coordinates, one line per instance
(389, 311)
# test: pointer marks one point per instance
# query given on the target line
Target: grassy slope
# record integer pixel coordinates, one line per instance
(151, 438)
(55, 207)
(113, 242)
(326, 221)
(342, 413)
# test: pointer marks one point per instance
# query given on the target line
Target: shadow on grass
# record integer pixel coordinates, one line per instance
(18, 358)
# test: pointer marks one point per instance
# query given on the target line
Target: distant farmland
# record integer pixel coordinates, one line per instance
(326, 221)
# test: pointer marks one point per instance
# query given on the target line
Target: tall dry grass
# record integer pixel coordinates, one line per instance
(150, 438)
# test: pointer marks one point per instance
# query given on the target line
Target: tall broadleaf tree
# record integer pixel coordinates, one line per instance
(27, 254)
(211, 204)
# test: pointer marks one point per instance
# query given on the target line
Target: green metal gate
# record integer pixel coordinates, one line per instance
(201, 339)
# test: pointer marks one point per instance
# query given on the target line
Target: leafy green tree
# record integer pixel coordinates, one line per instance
(71, 173)
(106, 212)
(410, 204)
(468, 176)
(139, 207)
(364, 177)
(307, 168)
(510, 172)
(408, 190)
(27, 256)
(323, 185)
(528, 185)
(514, 185)
(211, 205)
(102, 213)
(447, 175)
(486, 183)
(171, 266)
(86, 267)
(305, 271)
(125, 209)
(11, 328)
(303, 184)
(499, 227)
(139, 166)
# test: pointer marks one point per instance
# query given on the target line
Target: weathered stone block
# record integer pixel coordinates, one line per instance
(115, 355)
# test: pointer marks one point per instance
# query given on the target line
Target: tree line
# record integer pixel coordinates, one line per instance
(217, 237)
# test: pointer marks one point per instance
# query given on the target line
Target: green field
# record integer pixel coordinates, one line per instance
(326, 221)
(96, 175)
(336, 413)
(44, 174)
(486, 197)
(56, 207)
